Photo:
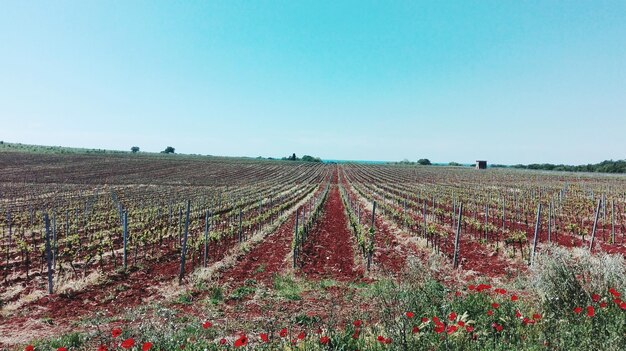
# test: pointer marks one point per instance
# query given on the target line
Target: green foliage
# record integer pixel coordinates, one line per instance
(307, 158)
(241, 292)
(216, 295)
(185, 298)
(608, 166)
(287, 287)
(328, 283)
(168, 150)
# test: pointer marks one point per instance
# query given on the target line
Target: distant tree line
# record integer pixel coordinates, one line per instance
(608, 166)
(421, 161)
(426, 162)
(305, 158)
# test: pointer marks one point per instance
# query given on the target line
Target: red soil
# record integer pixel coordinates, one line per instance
(265, 259)
(328, 251)
(118, 293)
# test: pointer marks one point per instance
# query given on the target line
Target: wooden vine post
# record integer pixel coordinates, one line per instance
(184, 246)
(370, 250)
(424, 216)
(125, 239)
(206, 238)
(48, 253)
(612, 222)
(295, 244)
(180, 227)
(595, 225)
(550, 222)
(240, 228)
(486, 221)
(457, 238)
(54, 239)
(537, 226)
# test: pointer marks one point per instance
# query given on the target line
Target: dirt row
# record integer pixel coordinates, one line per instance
(329, 250)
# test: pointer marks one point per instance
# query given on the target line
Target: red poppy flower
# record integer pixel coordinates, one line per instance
(471, 287)
(324, 340)
(128, 343)
(146, 346)
(388, 341)
(283, 332)
(482, 287)
(622, 305)
(527, 321)
(452, 316)
(614, 292)
(222, 341)
(410, 315)
(415, 329)
(577, 310)
(242, 341)
(469, 329)
(29, 348)
(301, 336)
(490, 313)
(461, 324)
(207, 325)
(603, 304)
(497, 327)
(536, 316)
(116, 332)
(380, 339)
(264, 337)
(591, 311)
(495, 305)
(355, 335)
(102, 348)
(357, 323)
(435, 319)
(518, 314)
(439, 328)
(595, 297)
(451, 329)
(62, 349)
(457, 294)
(514, 298)
(424, 320)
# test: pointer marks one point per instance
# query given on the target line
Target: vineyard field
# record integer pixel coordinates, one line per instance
(212, 253)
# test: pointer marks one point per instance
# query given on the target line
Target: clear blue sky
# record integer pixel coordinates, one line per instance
(506, 81)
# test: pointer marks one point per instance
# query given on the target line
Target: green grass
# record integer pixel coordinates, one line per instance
(287, 287)
(328, 283)
(241, 292)
(185, 298)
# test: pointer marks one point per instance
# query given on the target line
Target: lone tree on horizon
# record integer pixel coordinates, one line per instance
(168, 150)
(424, 162)
(134, 149)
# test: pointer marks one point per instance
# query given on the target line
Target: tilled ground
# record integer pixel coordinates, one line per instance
(328, 252)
